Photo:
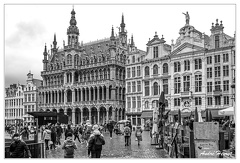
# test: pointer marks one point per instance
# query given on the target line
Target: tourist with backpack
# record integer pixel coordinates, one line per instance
(46, 137)
(96, 141)
(59, 132)
(127, 134)
(138, 134)
(110, 127)
(68, 130)
(69, 146)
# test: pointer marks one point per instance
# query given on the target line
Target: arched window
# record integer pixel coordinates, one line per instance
(155, 69)
(76, 58)
(146, 105)
(133, 59)
(147, 71)
(165, 68)
(69, 59)
(155, 88)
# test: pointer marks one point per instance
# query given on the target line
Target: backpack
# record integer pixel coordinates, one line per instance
(98, 142)
(138, 133)
(127, 131)
(69, 150)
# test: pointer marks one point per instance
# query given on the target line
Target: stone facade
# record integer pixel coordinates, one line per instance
(86, 81)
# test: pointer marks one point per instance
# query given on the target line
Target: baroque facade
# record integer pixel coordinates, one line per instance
(30, 100)
(13, 103)
(86, 81)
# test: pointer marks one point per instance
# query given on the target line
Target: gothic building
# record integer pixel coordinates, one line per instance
(86, 81)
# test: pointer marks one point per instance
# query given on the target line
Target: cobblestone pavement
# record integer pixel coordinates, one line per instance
(115, 148)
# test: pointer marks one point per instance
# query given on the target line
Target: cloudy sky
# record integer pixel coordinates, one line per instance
(28, 27)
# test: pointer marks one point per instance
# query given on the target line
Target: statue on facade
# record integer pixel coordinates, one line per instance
(187, 18)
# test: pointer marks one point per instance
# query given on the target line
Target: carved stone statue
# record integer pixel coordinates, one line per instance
(187, 18)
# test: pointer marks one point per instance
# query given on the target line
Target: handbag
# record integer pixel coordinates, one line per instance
(50, 142)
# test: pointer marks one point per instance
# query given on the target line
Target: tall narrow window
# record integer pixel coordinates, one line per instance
(186, 65)
(133, 102)
(217, 85)
(128, 73)
(217, 71)
(225, 57)
(133, 59)
(128, 87)
(216, 42)
(209, 72)
(147, 88)
(209, 60)
(147, 71)
(186, 83)
(226, 85)
(139, 86)
(209, 101)
(133, 86)
(129, 102)
(155, 69)
(209, 86)
(176, 101)
(138, 71)
(138, 101)
(177, 67)
(155, 52)
(165, 86)
(155, 88)
(198, 64)
(133, 72)
(198, 83)
(218, 100)
(217, 58)
(226, 100)
(225, 70)
(165, 68)
(177, 84)
(198, 101)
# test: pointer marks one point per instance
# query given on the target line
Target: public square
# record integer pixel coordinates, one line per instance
(115, 148)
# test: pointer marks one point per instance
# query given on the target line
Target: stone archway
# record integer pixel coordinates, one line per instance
(120, 114)
(61, 111)
(77, 116)
(94, 115)
(54, 110)
(102, 115)
(69, 113)
(123, 113)
(116, 115)
(110, 113)
(85, 114)
(47, 109)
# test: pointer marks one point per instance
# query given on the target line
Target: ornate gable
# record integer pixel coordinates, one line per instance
(186, 47)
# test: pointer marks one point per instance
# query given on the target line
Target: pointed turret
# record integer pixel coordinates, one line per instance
(122, 24)
(45, 58)
(132, 42)
(72, 30)
(54, 42)
(112, 35)
(123, 33)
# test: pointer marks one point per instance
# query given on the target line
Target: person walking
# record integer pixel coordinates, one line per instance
(127, 133)
(59, 132)
(18, 147)
(69, 146)
(76, 133)
(68, 130)
(95, 143)
(110, 128)
(25, 134)
(53, 137)
(138, 134)
(46, 137)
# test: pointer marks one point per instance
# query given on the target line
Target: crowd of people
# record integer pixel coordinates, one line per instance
(91, 135)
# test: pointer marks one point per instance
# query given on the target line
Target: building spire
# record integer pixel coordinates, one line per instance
(132, 42)
(54, 41)
(112, 34)
(122, 24)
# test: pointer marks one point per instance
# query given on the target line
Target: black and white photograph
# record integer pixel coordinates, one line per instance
(119, 81)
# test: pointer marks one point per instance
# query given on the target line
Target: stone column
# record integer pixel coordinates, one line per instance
(44, 97)
(65, 78)
(73, 96)
(116, 94)
(113, 113)
(81, 114)
(58, 97)
(73, 76)
(85, 94)
(107, 93)
(73, 117)
(65, 96)
(81, 98)
(89, 91)
(62, 96)
(98, 112)
(98, 93)
(102, 93)
(77, 95)
(107, 115)
(94, 99)
(117, 116)
(90, 116)
(113, 93)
